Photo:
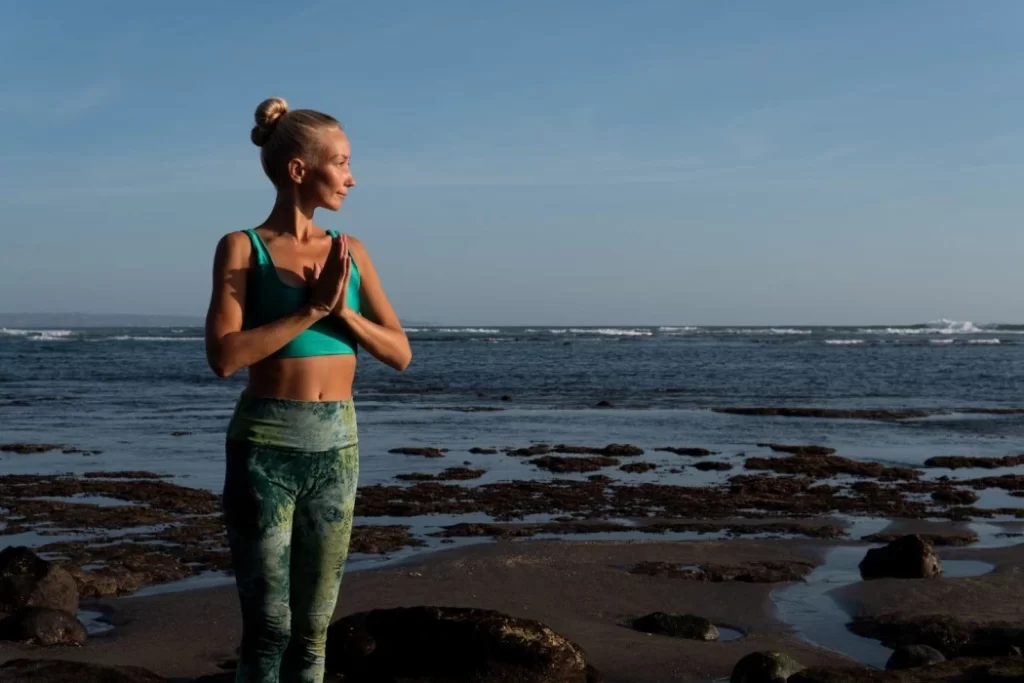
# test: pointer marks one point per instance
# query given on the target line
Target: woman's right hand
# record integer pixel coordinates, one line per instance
(329, 282)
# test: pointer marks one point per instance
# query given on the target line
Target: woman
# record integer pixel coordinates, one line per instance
(292, 303)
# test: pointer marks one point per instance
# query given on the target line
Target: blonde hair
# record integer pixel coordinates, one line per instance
(283, 135)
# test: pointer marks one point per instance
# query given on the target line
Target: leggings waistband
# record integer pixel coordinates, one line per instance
(310, 426)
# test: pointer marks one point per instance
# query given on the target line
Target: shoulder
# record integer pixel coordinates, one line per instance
(234, 246)
(357, 248)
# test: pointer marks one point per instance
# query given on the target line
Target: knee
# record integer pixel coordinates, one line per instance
(270, 626)
(310, 630)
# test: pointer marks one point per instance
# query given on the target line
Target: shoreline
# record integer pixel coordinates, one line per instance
(583, 552)
(582, 589)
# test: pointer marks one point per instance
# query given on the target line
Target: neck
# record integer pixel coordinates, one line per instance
(288, 216)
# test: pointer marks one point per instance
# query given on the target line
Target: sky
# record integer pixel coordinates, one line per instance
(533, 163)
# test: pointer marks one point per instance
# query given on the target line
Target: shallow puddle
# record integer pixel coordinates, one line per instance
(820, 620)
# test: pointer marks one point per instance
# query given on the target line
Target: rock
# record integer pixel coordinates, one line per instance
(713, 466)
(25, 448)
(106, 582)
(61, 671)
(605, 404)
(967, 670)
(125, 474)
(554, 463)
(43, 626)
(223, 677)
(381, 538)
(692, 452)
(180, 433)
(451, 644)
(953, 496)
(229, 677)
(638, 467)
(538, 449)
(450, 474)
(955, 462)
(768, 666)
(425, 452)
(827, 413)
(506, 397)
(954, 638)
(27, 580)
(747, 572)
(621, 450)
(909, 557)
(483, 451)
(798, 449)
(688, 626)
(953, 540)
(910, 656)
(824, 466)
(612, 450)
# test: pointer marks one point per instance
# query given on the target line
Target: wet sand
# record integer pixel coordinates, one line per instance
(582, 589)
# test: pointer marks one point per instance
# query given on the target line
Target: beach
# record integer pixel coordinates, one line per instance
(581, 589)
(738, 475)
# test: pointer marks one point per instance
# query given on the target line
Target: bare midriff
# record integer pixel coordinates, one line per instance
(315, 378)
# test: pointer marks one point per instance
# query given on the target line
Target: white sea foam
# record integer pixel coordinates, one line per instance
(983, 341)
(844, 342)
(50, 334)
(678, 329)
(941, 341)
(764, 330)
(614, 332)
(468, 330)
(128, 337)
(936, 327)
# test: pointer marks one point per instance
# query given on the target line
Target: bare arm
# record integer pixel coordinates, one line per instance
(228, 347)
(377, 329)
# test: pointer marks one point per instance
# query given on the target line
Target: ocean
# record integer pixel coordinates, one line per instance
(145, 398)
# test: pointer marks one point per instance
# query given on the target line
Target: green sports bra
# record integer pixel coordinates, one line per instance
(268, 298)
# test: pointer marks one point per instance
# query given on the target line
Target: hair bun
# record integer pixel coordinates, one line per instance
(268, 114)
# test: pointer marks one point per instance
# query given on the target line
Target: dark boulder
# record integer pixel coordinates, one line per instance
(61, 671)
(688, 626)
(908, 557)
(991, 670)
(765, 667)
(43, 626)
(451, 644)
(28, 580)
(911, 656)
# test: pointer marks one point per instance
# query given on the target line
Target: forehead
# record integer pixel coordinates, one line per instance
(335, 142)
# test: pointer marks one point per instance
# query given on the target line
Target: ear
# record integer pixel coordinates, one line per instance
(296, 170)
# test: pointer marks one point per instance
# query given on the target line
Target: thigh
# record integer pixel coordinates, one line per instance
(322, 529)
(259, 509)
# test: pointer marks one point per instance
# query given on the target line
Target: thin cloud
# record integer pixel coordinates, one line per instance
(57, 107)
(82, 101)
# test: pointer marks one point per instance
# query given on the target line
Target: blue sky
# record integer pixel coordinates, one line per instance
(535, 162)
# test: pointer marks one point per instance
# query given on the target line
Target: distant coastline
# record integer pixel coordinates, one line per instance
(80, 320)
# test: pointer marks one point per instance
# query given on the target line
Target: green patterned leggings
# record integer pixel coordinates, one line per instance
(289, 493)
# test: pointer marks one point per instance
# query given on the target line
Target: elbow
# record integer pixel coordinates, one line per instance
(402, 360)
(222, 371)
(220, 366)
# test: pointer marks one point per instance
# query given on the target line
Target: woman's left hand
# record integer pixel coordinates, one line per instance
(342, 308)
